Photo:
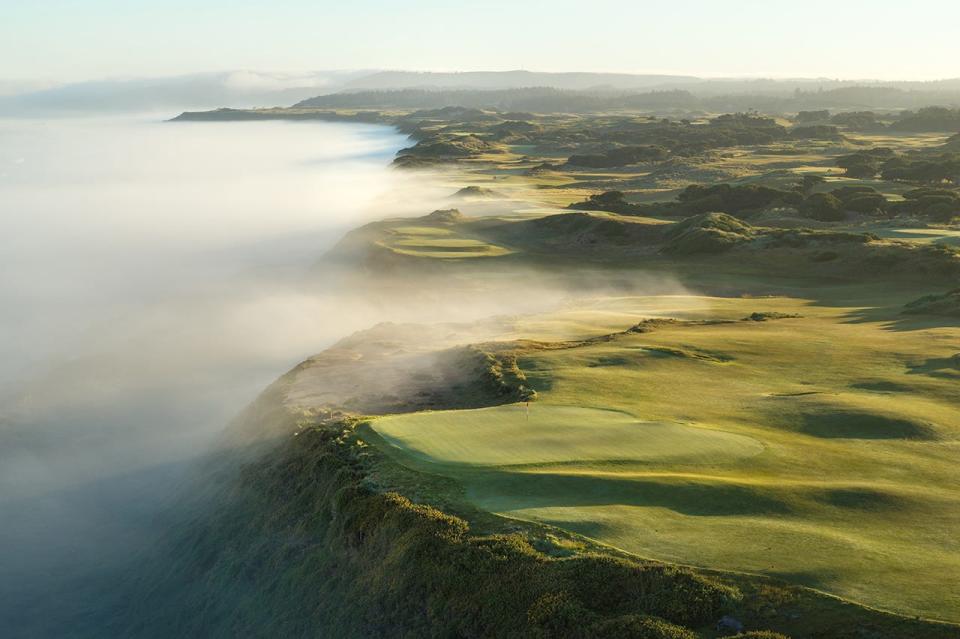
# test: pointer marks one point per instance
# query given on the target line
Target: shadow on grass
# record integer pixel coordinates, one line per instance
(505, 490)
(946, 367)
(892, 318)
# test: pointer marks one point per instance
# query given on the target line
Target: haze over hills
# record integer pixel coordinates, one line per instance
(514, 79)
(621, 81)
(506, 320)
(248, 89)
(201, 90)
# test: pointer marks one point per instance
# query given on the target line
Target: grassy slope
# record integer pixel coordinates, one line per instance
(854, 492)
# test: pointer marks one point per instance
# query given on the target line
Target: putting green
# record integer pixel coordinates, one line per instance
(543, 434)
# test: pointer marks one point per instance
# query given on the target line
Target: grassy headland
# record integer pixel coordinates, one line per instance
(786, 428)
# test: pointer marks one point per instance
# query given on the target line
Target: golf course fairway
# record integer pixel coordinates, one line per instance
(818, 447)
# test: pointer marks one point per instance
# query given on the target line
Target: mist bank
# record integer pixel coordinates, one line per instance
(157, 276)
(154, 278)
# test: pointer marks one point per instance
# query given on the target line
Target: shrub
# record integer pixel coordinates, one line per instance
(856, 120)
(944, 304)
(638, 627)
(734, 199)
(865, 164)
(824, 207)
(557, 615)
(867, 203)
(706, 233)
(612, 201)
(942, 211)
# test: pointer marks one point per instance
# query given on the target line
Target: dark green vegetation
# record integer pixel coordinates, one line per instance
(751, 200)
(919, 167)
(338, 557)
(789, 428)
(945, 304)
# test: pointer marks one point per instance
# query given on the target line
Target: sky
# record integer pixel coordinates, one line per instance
(71, 40)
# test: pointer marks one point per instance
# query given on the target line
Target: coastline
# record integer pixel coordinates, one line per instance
(355, 438)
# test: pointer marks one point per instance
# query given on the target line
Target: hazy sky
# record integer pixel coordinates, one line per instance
(83, 39)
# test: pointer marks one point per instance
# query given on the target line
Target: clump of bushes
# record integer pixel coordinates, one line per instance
(561, 616)
(825, 207)
(865, 164)
(859, 199)
(444, 216)
(938, 205)
(611, 201)
(735, 199)
(706, 233)
(638, 627)
(803, 238)
(515, 131)
(857, 120)
(474, 191)
(932, 118)
(501, 374)
(947, 304)
(934, 203)
(764, 316)
(928, 169)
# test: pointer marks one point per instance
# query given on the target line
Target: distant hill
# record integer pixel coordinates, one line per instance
(512, 90)
(579, 81)
(202, 91)
(543, 99)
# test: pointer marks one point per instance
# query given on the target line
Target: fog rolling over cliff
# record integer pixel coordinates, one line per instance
(154, 278)
(152, 282)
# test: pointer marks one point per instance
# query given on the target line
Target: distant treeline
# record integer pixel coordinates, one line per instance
(551, 100)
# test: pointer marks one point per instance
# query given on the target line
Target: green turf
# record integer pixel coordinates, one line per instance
(544, 434)
(821, 449)
(437, 243)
